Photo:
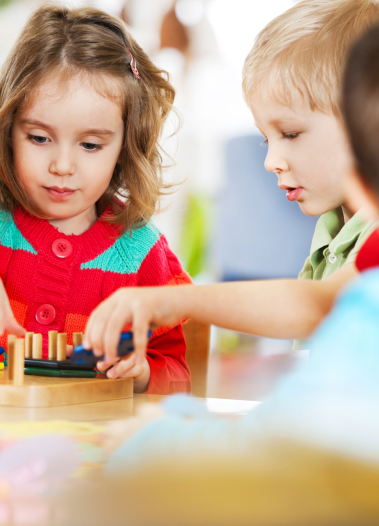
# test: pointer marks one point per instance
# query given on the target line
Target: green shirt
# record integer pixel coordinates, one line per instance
(334, 244)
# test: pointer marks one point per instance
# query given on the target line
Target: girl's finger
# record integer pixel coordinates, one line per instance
(14, 328)
(103, 365)
(119, 371)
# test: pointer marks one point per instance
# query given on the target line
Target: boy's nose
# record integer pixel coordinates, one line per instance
(275, 162)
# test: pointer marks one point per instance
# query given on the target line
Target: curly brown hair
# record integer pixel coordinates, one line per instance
(88, 41)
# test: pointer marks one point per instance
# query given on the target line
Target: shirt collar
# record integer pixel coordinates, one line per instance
(332, 232)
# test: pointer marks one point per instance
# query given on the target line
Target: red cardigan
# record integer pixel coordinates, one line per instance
(54, 282)
(368, 256)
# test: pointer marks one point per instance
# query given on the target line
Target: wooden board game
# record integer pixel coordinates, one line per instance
(41, 391)
(20, 390)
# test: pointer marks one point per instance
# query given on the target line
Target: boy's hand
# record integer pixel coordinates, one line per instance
(143, 308)
(7, 320)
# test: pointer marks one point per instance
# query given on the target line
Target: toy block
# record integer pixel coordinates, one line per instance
(52, 347)
(18, 362)
(28, 344)
(37, 346)
(77, 338)
(11, 346)
(62, 346)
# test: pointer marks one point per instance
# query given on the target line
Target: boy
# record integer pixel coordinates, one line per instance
(291, 82)
(329, 405)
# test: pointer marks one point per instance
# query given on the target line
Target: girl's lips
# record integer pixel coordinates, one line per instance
(59, 193)
(294, 194)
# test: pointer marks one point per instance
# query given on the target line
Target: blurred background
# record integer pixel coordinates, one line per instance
(227, 219)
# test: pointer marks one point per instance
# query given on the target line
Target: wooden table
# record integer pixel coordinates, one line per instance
(114, 410)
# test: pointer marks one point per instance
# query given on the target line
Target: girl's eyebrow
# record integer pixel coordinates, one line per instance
(90, 131)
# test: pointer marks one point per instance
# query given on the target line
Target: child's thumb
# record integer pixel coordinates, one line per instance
(14, 328)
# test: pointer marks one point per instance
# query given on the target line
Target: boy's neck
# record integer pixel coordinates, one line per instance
(347, 214)
(76, 225)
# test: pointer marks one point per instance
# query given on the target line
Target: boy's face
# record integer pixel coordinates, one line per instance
(308, 151)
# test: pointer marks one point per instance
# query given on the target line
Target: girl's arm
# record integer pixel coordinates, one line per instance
(7, 320)
(285, 308)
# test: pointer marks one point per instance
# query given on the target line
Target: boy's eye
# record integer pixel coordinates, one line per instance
(38, 139)
(90, 147)
(290, 136)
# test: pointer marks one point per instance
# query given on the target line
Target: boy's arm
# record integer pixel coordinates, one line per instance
(280, 308)
(285, 308)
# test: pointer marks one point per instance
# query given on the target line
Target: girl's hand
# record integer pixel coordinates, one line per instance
(128, 368)
(7, 320)
(143, 308)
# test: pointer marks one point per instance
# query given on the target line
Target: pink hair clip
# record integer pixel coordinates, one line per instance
(133, 64)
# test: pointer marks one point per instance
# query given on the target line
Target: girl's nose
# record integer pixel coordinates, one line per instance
(275, 162)
(62, 165)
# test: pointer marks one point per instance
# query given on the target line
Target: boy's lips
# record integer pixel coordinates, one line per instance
(59, 193)
(293, 194)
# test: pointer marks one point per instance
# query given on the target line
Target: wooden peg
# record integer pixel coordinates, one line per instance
(28, 345)
(19, 359)
(10, 349)
(62, 346)
(37, 346)
(77, 338)
(52, 349)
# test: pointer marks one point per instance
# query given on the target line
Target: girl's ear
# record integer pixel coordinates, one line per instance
(360, 197)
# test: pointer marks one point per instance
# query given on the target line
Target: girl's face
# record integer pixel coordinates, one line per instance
(308, 151)
(66, 144)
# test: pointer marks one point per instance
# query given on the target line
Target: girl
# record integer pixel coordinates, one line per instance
(81, 111)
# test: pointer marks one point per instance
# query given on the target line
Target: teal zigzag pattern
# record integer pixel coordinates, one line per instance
(127, 253)
(10, 236)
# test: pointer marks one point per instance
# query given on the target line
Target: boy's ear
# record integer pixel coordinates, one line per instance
(360, 197)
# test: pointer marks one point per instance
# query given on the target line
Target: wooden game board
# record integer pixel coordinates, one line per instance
(41, 391)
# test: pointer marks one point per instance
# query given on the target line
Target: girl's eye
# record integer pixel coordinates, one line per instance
(38, 139)
(264, 143)
(291, 136)
(90, 147)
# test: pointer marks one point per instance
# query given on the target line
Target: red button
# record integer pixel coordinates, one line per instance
(62, 248)
(45, 314)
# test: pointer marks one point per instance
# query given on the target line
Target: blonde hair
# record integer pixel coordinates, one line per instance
(88, 41)
(305, 49)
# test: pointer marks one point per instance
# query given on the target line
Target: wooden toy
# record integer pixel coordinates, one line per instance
(52, 352)
(59, 385)
(77, 338)
(37, 347)
(11, 344)
(61, 346)
(18, 362)
(28, 344)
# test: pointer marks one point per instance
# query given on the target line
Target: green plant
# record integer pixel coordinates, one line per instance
(4, 3)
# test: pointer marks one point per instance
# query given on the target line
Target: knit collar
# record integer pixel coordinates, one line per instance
(41, 235)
